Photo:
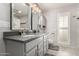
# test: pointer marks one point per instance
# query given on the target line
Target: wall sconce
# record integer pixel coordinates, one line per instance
(35, 8)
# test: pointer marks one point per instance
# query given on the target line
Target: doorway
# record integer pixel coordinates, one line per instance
(63, 30)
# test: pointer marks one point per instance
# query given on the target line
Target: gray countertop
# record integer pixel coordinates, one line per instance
(25, 38)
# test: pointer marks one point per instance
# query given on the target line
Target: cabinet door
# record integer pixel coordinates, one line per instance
(14, 48)
(31, 45)
(33, 52)
(40, 46)
(45, 46)
(40, 49)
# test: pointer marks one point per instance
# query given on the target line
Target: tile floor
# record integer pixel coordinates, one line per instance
(64, 51)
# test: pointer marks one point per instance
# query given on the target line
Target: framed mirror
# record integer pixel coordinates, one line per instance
(20, 16)
(35, 21)
(26, 17)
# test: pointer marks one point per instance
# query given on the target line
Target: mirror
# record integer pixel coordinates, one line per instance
(38, 21)
(21, 16)
(35, 21)
(26, 17)
(42, 23)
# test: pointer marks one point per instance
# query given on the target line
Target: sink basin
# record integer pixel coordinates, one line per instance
(28, 35)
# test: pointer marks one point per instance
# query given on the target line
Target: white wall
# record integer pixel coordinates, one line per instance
(4, 23)
(51, 23)
(74, 27)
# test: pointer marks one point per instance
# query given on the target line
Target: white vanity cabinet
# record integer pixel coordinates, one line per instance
(18, 48)
(40, 46)
(32, 52)
(35, 47)
(14, 48)
(31, 48)
(30, 45)
(45, 44)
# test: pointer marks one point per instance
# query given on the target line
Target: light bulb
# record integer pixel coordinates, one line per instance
(19, 11)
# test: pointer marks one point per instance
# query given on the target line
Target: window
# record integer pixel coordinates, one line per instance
(63, 22)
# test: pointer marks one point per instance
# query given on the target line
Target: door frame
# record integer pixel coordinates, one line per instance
(64, 14)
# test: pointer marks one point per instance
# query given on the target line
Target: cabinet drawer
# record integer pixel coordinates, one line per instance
(49, 36)
(46, 36)
(31, 44)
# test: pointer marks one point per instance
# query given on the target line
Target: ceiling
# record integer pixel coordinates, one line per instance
(51, 6)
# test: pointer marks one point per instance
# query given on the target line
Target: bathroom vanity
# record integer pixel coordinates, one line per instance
(27, 45)
(24, 18)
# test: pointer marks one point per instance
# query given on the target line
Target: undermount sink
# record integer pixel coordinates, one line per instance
(28, 35)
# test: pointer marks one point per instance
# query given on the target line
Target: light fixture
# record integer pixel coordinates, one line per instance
(19, 11)
(34, 5)
(35, 8)
(39, 11)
